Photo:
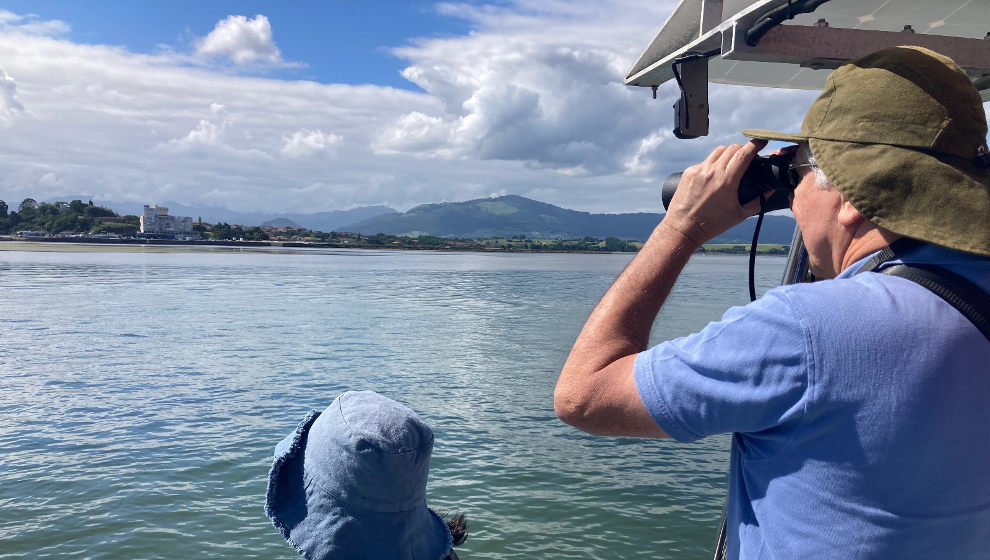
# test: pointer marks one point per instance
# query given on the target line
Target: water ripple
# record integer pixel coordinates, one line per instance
(139, 412)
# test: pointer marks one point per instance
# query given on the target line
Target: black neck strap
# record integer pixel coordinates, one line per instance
(893, 251)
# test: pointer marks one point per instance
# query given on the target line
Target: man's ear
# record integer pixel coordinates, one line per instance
(849, 216)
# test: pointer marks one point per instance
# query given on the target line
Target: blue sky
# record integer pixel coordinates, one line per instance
(318, 106)
(339, 41)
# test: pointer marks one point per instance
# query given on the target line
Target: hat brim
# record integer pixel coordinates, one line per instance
(318, 525)
(794, 137)
(932, 197)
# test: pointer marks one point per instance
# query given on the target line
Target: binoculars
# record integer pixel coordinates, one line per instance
(764, 173)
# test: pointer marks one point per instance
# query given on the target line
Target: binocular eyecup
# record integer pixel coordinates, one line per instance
(763, 174)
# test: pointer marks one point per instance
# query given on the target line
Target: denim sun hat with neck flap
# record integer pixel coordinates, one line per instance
(902, 135)
(350, 483)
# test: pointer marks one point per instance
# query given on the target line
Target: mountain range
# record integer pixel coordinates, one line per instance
(503, 216)
(511, 215)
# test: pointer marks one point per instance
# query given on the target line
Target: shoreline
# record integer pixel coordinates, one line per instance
(205, 244)
(272, 245)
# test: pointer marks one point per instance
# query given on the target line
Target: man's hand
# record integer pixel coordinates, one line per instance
(706, 203)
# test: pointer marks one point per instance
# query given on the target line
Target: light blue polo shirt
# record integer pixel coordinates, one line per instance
(860, 408)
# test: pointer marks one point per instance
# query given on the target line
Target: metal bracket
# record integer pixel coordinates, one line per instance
(828, 47)
(691, 109)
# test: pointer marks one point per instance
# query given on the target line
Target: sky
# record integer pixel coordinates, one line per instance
(311, 106)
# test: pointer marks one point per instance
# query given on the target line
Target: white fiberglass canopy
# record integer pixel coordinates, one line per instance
(798, 53)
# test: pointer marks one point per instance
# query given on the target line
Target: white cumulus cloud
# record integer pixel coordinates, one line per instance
(9, 103)
(242, 40)
(415, 133)
(207, 132)
(305, 143)
(514, 91)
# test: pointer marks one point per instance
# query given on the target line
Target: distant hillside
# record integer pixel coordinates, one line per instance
(280, 222)
(507, 216)
(338, 219)
(775, 229)
(504, 217)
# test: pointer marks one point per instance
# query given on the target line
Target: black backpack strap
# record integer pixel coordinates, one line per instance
(889, 253)
(965, 296)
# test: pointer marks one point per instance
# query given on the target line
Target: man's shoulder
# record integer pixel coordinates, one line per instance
(826, 293)
(868, 306)
(865, 300)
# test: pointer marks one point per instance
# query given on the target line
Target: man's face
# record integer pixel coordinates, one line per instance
(816, 211)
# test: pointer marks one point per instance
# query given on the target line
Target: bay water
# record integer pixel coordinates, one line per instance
(143, 389)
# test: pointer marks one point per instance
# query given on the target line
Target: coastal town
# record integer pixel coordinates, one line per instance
(79, 222)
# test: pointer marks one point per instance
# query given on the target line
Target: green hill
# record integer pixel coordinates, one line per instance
(512, 215)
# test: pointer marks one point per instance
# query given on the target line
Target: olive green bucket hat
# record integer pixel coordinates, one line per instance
(902, 135)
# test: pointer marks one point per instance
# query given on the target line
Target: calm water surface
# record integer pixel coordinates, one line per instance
(143, 390)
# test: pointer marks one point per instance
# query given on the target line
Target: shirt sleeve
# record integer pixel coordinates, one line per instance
(748, 373)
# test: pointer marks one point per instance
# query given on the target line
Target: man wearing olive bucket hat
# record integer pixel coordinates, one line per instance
(860, 404)
(350, 483)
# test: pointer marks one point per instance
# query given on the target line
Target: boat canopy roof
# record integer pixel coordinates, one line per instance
(743, 44)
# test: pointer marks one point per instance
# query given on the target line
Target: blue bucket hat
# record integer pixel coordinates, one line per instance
(350, 482)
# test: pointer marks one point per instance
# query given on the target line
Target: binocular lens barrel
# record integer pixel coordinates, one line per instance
(763, 174)
(669, 188)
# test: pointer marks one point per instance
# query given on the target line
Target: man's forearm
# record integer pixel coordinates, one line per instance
(619, 327)
(621, 322)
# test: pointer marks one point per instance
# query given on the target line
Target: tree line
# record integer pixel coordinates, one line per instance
(57, 217)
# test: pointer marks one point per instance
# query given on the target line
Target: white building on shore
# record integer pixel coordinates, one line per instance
(155, 219)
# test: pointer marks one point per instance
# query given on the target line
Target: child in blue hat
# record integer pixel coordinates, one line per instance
(350, 483)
